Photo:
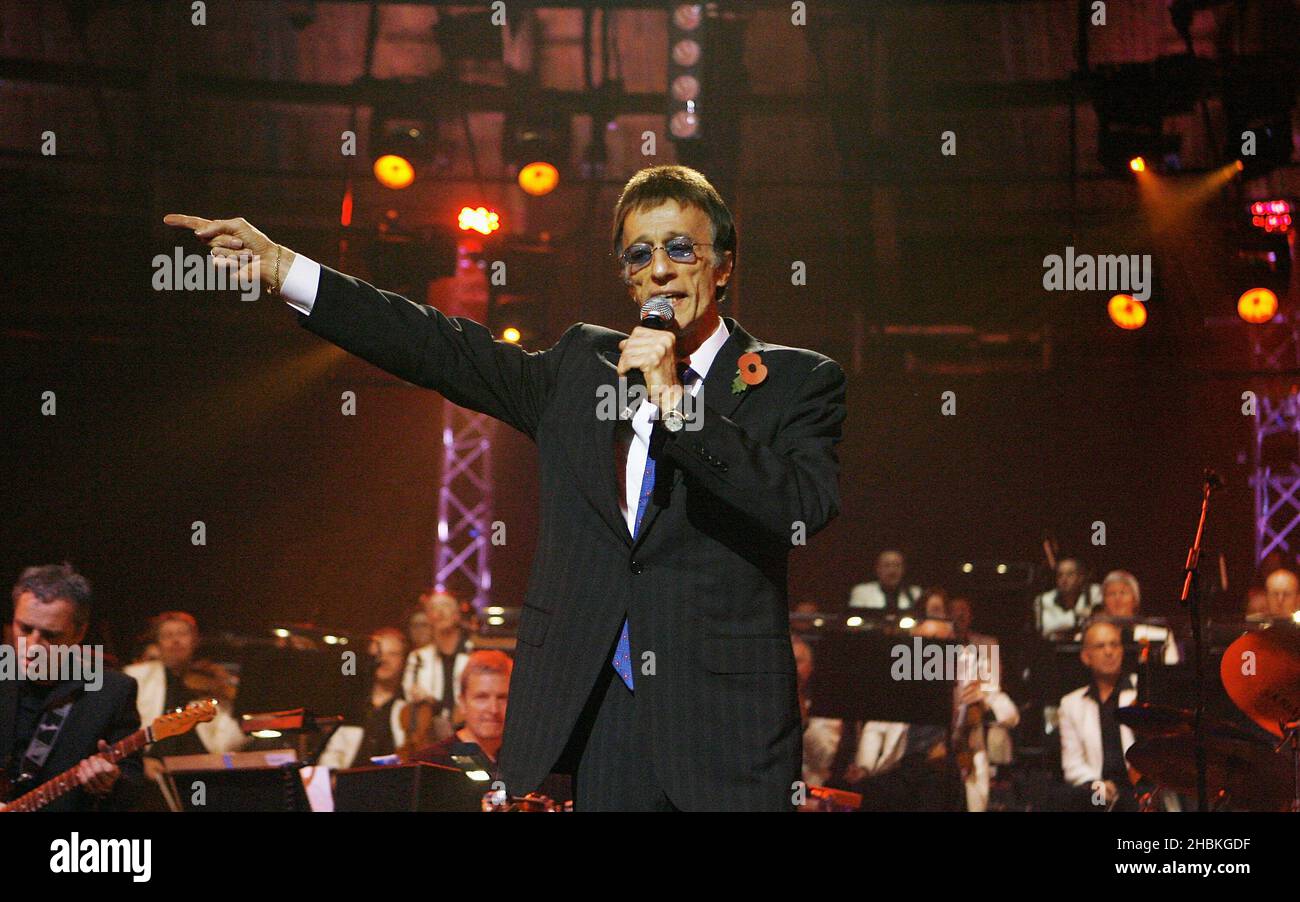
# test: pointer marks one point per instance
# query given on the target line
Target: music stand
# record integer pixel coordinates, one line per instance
(852, 679)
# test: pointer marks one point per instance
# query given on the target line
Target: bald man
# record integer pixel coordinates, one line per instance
(1283, 588)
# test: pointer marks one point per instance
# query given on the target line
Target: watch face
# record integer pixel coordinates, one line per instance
(673, 421)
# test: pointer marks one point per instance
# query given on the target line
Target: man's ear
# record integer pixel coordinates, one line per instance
(724, 270)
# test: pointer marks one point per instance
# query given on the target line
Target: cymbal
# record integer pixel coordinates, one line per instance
(1261, 672)
(1155, 720)
(1250, 772)
(1146, 720)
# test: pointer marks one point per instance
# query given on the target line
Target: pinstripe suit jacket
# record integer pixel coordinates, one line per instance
(703, 584)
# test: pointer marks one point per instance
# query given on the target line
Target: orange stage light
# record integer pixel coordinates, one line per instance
(1127, 312)
(1137, 164)
(511, 334)
(393, 171)
(539, 178)
(1258, 305)
(478, 219)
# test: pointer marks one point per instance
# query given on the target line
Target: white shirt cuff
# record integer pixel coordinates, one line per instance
(300, 284)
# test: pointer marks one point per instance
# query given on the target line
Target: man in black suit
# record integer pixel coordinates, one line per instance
(51, 614)
(654, 658)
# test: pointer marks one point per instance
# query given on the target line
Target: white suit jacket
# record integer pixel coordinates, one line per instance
(1080, 719)
(430, 673)
(219, 735)
(1050, 617)
(870, 595)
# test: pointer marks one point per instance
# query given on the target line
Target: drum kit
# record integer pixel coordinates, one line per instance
(1244, 771)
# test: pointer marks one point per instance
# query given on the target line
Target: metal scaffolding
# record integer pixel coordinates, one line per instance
(465, 504)
(1275, 347)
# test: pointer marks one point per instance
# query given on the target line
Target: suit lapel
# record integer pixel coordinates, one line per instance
(716, 390)
(596, 448)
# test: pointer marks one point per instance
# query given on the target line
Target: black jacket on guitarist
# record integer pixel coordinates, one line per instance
(107, 713)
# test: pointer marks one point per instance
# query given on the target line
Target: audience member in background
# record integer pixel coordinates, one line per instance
(821, 735)
(378, 729)
(84, 711)
(1059, 612)
(1283, 593)
(985, 714)
(433, 671)
(1093, 741)
(1122, 604)
(174, 680)
(887, 592)
(419, 632)
(431, 681)
(383, 721)
(484, 693)
(934, 610)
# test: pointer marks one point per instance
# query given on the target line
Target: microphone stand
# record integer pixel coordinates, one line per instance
(1191, 597)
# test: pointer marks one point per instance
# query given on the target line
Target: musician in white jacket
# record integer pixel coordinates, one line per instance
(1093, 741)
(887, 592)
(162, 687)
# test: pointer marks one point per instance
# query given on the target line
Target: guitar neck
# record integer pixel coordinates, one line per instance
(67, 781)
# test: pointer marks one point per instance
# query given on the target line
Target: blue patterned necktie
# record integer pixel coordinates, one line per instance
(622, 660)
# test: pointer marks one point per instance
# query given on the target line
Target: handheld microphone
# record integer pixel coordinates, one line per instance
(657, 313)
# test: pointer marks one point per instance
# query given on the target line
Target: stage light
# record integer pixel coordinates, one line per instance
(1127, 312)
(685, 124)
(853, 621)
(1137, 164)
(534, 133)
(399, 150)
(1258, 305)
(539, 178)
(685, 70)
(1271, 215)
(906, 623)
(1132, 101)
(511, 334)
(478, 219)
(393, 171)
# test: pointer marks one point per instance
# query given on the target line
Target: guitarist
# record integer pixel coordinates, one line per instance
(83, 713)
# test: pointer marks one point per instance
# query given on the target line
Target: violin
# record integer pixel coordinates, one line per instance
(210, 680)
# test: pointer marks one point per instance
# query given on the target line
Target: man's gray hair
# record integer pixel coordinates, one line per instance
(485, 661)
(1123, 576)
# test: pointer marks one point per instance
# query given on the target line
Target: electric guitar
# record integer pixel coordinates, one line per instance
(173, 724)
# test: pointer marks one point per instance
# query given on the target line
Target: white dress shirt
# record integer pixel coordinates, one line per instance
(636, 443)
(299, 292)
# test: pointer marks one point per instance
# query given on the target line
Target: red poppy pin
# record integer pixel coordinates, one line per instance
(749, 371)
